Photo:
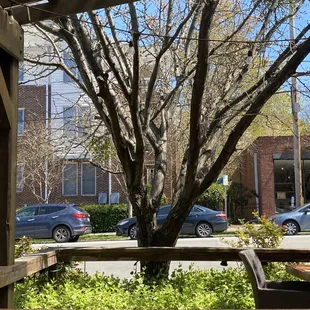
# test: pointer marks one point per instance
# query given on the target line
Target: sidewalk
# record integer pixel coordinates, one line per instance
(233, 228)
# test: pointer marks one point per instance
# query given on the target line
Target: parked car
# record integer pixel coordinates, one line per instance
(294, 221)
(62, 222)
(200, 222)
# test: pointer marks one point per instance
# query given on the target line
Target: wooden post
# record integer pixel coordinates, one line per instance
(11, 50)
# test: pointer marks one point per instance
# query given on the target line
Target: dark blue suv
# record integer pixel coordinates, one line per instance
(62, 222)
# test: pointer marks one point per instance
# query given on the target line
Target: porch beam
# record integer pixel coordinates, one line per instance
(6, 100)
(8, 155)
(177, 254)
(11, 36)
(50, 10)
(8, 3)
(26, 266)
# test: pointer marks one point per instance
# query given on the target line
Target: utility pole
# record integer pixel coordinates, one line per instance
(296, 135)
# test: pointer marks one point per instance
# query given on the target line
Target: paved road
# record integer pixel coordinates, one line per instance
(123, 269)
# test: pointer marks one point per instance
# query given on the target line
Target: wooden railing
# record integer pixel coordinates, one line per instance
(33, 263)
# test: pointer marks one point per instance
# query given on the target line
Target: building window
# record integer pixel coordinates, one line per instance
(82, 119)
(69, 127)
(88, 184)
(21, 115)
(284, 184)
(19, 178)
(21, 72)
(71, 64)
(75, 120)
(69, 180)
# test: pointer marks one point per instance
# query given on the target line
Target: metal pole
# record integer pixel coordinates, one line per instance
(256, 182)
(109, 182)
(296, 135)
(225, 199)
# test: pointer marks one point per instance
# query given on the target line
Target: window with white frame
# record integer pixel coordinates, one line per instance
(19, 178)
(21, 121)
(75, 120)
(71, 64)
(88, 184)
(21, 72)
(69, 179)
(82, 119)
(68, 115)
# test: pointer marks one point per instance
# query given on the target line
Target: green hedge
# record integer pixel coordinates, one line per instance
(105, 217)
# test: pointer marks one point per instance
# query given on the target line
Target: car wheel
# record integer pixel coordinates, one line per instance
(61, 234)
(203, 230)
(74, 239)
(133, 232)
(291, 227)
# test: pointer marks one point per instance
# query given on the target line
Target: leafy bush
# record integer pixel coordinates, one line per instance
(23, 246)
(265, 235)
(105, 217)
(213, 197)
(193, 289)
(238, 196)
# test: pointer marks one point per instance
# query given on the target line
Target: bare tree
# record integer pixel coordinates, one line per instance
(41, 166)
(144, 64)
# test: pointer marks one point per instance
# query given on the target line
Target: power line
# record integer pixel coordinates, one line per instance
(154, 35)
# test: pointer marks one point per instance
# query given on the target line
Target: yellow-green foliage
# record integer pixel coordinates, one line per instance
(23, 247)
(265, 235)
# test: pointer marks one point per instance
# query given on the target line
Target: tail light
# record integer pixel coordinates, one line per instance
(222, 216)
(79, 215)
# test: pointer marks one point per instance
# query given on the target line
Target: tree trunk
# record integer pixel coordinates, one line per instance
(157, 270)
(148, 235)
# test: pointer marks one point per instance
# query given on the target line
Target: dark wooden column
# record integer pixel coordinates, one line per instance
(11, 51)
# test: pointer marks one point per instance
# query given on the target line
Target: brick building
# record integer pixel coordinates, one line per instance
(267, 167)
(78, 180)
(32, 110)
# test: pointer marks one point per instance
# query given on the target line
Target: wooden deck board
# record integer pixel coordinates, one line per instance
(26, 266)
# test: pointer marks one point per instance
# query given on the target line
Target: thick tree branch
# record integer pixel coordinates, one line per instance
(273, 84)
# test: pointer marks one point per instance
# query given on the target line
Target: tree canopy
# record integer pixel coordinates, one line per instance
(144, 64)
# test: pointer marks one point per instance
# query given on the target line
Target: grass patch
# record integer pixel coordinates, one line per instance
(88, 237)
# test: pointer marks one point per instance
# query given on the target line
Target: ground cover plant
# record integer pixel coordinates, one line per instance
(191, 289)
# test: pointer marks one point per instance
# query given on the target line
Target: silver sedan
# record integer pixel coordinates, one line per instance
(294, 221)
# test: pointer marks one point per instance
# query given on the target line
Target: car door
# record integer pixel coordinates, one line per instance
(162, 214)
(45, 220)
(24, 224)
(304, 218)
(191, 221)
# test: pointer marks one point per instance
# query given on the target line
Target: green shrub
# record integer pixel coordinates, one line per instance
(105, 217)
(23, 247)
(238, 196)
(213, 197)
(265, 235)
(192, 289)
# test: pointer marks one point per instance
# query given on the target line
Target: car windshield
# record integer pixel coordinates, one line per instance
(304, 208)
(299, 209)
